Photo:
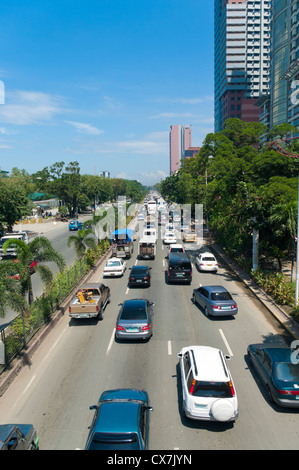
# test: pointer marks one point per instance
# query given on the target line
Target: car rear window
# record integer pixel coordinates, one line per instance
(133, 313)
(287, 371)
(212, 389)
(208, 258)
(124, 441)
(218, 296)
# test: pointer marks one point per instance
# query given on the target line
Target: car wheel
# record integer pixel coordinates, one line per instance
(101, 314)
(206, 312)
(194, 299)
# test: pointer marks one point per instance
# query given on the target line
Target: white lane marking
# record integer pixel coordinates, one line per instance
(110, 342)
(226, 342)
(164, 263)
(127, 291)
(136, 262)
(169, 348)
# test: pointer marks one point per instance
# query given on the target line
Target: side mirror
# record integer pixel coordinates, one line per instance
(227, 357)
(180, 355)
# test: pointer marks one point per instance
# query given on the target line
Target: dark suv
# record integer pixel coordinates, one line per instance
(179, 268)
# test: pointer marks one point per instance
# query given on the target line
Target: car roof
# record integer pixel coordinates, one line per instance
(207, 253)
(215, 288)
(118, 416)
(278, 352)
(208, 364)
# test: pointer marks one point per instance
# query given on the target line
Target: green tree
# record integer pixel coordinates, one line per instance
(82, 240)
(41, 250)
(10, 290)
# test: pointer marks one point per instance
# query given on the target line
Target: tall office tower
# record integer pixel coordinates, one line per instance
(284, 96)
(241, 56)
(180, 139)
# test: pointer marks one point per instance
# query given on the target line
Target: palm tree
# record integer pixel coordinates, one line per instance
(81, 241)
(10, 291)
(41, 250)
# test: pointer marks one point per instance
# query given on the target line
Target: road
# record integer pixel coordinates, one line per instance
(79, 360)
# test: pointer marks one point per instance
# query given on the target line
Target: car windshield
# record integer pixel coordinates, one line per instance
(120, 441)
(177, 250)
(212, 389)
(133, 312)
(287, 371)
(219, 296)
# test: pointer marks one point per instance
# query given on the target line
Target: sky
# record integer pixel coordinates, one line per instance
(100, 82)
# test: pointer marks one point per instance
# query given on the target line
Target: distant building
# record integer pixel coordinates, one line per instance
(180, 139)
(192, 152)
(4, 174)
(105, 174)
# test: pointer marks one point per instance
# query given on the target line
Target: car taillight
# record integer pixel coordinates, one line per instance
(234, 306)
(146, 278)
(288, 392)
(232, 388)
(192, 387)
(131, 279)
(146, 327)
(120, 328)
(216, 307)
(70, 309)
(168, 273)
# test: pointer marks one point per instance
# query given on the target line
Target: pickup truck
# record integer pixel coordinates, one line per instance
(122, 243)
(18, 437)
(90, 301)
(75, 225)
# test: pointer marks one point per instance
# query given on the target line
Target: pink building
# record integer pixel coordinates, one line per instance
(180, 139)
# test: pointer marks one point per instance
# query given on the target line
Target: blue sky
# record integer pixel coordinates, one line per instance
(100, 82)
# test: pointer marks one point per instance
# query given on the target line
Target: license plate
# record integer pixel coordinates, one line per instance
(180, 275)
(139, 280)
(132, 330)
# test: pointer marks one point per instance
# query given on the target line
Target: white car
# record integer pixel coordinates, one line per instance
(206, 262)
(169, 237)
(207, 387)
(114, 267)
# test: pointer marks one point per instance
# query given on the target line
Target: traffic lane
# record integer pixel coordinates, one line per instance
(251, 324)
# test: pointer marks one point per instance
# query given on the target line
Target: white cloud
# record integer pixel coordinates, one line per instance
(29, 107)
(85, 128)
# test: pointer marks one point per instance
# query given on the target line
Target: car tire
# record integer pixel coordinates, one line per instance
(206, 312)
(194, 299)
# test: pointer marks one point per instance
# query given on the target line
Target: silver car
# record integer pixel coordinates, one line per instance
(135, 320)
(215, 300)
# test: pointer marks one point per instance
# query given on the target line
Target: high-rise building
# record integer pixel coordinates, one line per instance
(180, 139)
(284, 101)
(242, 58)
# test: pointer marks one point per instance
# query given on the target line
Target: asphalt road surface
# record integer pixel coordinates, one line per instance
(79, 360)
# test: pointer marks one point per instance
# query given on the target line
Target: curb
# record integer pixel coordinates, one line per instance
(276, 311)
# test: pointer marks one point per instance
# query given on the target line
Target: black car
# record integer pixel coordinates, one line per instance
(179, 268)
(140, 276)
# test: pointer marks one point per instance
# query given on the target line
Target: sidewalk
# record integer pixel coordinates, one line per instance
(283, 317)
